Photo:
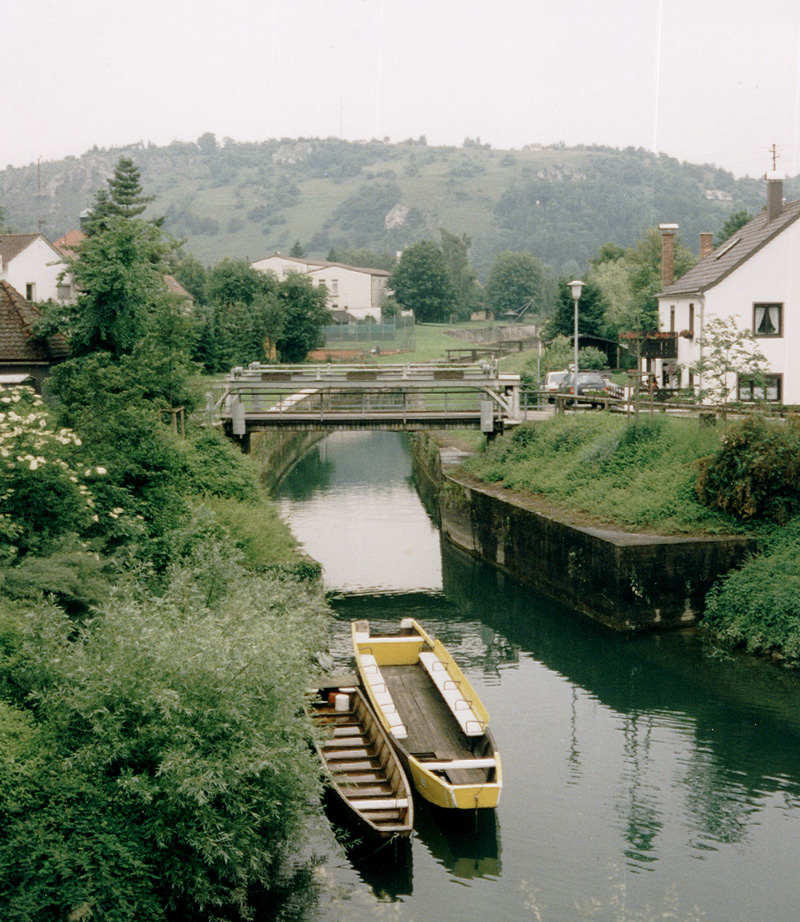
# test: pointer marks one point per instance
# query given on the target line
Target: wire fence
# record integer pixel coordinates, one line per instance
(400, 334)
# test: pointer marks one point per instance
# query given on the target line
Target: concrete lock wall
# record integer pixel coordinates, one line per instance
(630, 582)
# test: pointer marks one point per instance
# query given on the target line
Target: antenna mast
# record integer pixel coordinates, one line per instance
(39, 192)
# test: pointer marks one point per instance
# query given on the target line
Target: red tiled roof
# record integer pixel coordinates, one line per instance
(17, 318)
(67, 243)
(175, 287)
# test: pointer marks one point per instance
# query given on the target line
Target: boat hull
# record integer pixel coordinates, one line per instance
(367, 785)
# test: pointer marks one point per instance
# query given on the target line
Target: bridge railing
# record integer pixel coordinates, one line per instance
(341, 375)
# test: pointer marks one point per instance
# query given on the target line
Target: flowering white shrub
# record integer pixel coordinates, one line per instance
(44, 489)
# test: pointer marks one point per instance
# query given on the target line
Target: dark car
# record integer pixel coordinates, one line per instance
(590, 384)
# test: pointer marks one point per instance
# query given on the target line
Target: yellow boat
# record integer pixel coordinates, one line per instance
(434, 717)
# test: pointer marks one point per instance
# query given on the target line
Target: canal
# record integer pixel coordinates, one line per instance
(646, 778)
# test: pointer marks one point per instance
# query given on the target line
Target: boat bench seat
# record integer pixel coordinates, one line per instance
(373, 804)
(383, 698)
(451, 693)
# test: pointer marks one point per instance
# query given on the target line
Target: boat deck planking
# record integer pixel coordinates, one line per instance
(431, 730)
(366, 776)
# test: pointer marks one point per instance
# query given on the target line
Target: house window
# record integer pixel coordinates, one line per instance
(672, 318)
(30, 291)
(334, 287)
(765, 387)
(691, 318)
(768, 319)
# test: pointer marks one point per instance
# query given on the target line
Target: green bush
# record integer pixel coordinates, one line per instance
(255, 529)
(755, 474)
(154, 761)
(45, 483)
(758, 606)
(213, 466)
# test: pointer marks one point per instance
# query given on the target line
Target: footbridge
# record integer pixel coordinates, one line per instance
(393, 397)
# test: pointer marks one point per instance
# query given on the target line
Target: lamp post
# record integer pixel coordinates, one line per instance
(576, 287)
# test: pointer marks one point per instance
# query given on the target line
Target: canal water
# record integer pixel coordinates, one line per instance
(646, 778)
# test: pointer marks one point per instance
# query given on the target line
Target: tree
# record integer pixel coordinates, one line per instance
(300, 315)
(591, 312)
(119, 273)
(125, 190)
(612, 278)
(455, 250)
(728, 353)
(192, 274)
(123, 198)
(422, 284)
(644, 262)
(515, 280)
(732, 224)
(235, 281)
(298, 250)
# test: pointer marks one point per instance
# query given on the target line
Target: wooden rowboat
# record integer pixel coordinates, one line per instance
(436, 720)
(365, 775)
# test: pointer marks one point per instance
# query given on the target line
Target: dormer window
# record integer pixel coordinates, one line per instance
(768, 320)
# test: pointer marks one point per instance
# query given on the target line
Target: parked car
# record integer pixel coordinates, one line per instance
(590, 383)
(551, 382)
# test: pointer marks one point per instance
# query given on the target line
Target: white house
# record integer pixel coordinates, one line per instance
(753, 277)
(357, 291)
(32, 266)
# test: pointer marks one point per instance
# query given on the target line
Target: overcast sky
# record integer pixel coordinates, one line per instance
(707, 81)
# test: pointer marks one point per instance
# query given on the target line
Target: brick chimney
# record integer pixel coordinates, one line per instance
(667, 253)
(774, 196)
(706, 244)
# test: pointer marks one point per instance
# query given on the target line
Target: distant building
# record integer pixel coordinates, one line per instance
(358, 291)
(33, 266)
(753, 277)
(21, 354)
(68, 243)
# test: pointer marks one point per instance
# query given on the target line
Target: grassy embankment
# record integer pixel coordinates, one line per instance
(636, 477)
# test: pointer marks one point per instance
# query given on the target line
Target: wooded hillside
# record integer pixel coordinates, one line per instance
(252, 199)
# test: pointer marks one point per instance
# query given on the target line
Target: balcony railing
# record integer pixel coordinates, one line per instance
(660, 346)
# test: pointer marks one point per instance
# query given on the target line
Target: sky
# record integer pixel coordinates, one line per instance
(705, 81)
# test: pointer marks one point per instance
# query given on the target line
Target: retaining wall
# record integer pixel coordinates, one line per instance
(631, 582)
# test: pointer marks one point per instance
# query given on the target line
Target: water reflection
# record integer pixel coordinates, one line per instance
(740, 718)
(364, 525)
(468, 845)
(387, 869)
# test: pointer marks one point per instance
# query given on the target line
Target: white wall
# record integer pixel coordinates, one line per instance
(350, 290)
(360, 292)
(38, 265)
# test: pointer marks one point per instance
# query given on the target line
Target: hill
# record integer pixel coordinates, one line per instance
(252, 199)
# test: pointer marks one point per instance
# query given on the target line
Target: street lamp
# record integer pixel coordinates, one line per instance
(576, 287)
